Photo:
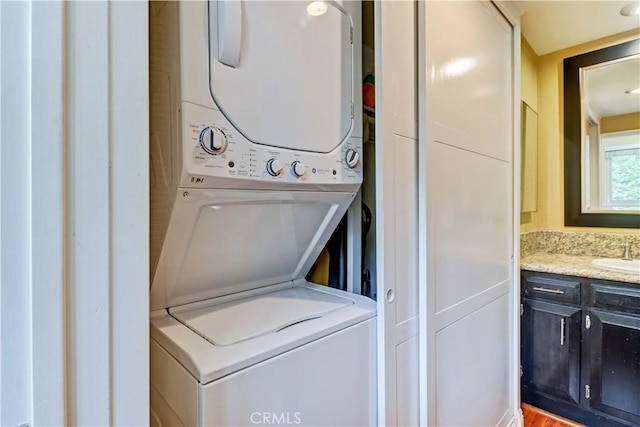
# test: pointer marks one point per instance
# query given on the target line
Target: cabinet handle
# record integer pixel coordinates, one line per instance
(551, 291)
(562, 321)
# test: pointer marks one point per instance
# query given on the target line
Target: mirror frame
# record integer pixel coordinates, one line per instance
(573, 215)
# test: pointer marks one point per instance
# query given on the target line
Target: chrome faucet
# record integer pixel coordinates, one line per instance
(627, 250)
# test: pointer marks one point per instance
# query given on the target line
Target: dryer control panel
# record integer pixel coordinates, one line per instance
(215, 155)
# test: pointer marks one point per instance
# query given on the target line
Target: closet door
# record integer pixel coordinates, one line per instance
(467, 116)
(396, 212)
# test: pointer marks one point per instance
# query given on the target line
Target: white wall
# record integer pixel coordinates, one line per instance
(15, 215)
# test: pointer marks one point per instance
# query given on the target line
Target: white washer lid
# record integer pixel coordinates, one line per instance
(208, 362)
(220, 242)
(240, 320)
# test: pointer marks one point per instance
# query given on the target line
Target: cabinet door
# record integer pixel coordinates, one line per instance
(551, 349)
(615, 364)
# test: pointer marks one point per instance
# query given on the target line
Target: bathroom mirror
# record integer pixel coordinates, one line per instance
(602, 137)
(529, 159)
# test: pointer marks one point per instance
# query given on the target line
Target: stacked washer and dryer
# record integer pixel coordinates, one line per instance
(255, 157)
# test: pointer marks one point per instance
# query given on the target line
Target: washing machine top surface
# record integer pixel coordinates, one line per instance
(216, 338)
(221, 242)
(282, 73)
(229, 323)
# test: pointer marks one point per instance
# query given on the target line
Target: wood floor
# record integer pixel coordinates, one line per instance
(534, 417)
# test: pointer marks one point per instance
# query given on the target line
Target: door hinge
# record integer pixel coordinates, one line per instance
(587, 391)
(587, 321)
(521, 310)
(351, 35)
(352, 112)
(521, 371)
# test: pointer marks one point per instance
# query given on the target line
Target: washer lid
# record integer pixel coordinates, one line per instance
(241, 320)
(282, 74)
(221, 242)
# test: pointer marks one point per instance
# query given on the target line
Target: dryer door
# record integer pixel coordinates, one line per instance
(282, 71)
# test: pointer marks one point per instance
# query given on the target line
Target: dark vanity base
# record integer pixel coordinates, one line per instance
(580, 348)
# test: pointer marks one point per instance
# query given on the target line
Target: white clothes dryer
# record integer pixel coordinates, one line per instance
(255, 158)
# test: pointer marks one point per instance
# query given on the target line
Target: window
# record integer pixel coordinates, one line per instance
(620, 171)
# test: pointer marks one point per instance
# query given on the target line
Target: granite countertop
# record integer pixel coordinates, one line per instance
(573, 265)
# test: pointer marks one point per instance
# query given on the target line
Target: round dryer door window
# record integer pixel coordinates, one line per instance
(282, 71)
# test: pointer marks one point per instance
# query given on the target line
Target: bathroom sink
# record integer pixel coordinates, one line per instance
(615, 264)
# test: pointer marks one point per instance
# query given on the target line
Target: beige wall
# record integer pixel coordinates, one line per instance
(620, 123)
(529, 93)
(550, 214)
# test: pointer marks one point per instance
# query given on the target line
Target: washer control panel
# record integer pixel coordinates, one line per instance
(214, 152)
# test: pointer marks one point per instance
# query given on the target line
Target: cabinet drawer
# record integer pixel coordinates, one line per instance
(614, 297)
(550, 287)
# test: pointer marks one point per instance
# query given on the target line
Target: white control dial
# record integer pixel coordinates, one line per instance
(351, 157)
(274, 167)
(298, 168)
(213, 140)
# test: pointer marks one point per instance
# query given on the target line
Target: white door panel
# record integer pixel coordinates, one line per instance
(467, 71)
(406, 229)
(452, 314)
(472, 211)
(472, 356)
(401, 52)
(467, 140)
(396, 212)
(407, 398)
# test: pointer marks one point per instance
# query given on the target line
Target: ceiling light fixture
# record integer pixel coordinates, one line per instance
(317, 8)
(633, 91)
(631, 9)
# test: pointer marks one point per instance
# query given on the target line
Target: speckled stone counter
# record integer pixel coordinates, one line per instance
(571, 253)
(573, 265)
(596, 245)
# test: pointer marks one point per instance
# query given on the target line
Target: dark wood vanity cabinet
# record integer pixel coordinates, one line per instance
(580, 349)
(551, 337)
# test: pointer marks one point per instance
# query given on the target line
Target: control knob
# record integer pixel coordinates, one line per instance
(351, 157)
(298, 168)
(213, 140)
(274, 167)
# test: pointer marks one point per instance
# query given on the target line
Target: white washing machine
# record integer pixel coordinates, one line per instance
(255, 158)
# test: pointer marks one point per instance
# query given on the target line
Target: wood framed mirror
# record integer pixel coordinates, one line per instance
(577, 116)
